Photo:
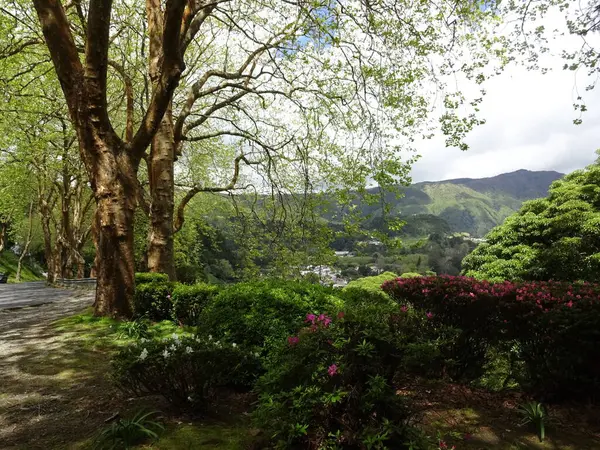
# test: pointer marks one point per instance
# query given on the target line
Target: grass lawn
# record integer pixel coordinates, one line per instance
(56, 394)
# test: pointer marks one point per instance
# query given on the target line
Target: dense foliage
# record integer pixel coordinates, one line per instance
(555, 238)
(552, 327)
(189, 301)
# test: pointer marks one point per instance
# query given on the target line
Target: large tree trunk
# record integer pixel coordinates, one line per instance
(162, 194)
(161, 161)
(115, 194)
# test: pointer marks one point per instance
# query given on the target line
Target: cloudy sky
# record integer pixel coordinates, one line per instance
(529, 126)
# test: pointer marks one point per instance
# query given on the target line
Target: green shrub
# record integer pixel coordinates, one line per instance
(186, 370)
(331, 385)
(189, 301)
(256, 313)
(150, 277)
(153, 300)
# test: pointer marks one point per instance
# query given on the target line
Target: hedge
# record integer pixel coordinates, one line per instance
(189, 301)
(555, 324)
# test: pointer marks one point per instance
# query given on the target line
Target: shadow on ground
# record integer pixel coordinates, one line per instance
(472, 419)
(53, 385)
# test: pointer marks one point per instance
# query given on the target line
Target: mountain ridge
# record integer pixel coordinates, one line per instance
(466, 205)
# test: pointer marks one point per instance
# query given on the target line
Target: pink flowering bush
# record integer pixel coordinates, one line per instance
(331, 383)
(555, 326)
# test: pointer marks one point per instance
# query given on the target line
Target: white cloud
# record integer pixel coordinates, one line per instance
(529, 126)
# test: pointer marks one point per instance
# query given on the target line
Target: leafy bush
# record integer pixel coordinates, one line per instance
(153, 300)
(331, 385)
(186, 370)
(125, 433)
(189, 301)
(555, 326)
(552, 238)
(257, 313)
(150, 277)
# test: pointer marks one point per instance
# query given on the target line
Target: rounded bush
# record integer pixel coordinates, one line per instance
(257, 313)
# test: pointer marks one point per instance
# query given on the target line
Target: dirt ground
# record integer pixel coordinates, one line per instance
(52, 391)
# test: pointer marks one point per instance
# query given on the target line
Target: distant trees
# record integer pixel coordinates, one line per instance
(555, 238)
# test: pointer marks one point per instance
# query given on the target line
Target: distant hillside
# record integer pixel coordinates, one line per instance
(467, 205)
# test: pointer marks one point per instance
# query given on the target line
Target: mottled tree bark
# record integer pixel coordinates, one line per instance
(115, 193)
(162, 195)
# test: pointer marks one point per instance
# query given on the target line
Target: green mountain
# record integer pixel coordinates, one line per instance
(467, 205)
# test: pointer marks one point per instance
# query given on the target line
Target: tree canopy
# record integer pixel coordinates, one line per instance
(554, 238)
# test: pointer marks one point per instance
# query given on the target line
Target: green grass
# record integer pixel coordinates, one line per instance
(9, 262)
(202, 437)
(104, 332)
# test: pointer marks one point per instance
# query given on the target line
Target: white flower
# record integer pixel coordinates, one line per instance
(172, 347)
(189, 350)
(165, 353)
(198, 339)
(175, 337)
(189, 399)
(143, 340)
(234, 345)
(256, 354)
(143, 355)
(210, 337)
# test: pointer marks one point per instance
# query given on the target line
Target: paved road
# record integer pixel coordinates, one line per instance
(31, 294)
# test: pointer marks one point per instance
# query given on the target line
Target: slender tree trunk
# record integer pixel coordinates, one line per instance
(3, 227)
(48, 253)
(162, 194)
(27, 243)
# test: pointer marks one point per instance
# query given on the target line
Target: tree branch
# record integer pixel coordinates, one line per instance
(170, 72)
(180, 215)
(60, 42)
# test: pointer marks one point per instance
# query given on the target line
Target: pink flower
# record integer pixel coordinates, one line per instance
(570, 304)
(310, 318)
(341, 315)
(443, 444)
(326, 321)
(168, 296)
(293, 340)
(429, 314)
(321, 317)
(332, 370)
(404, 308)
